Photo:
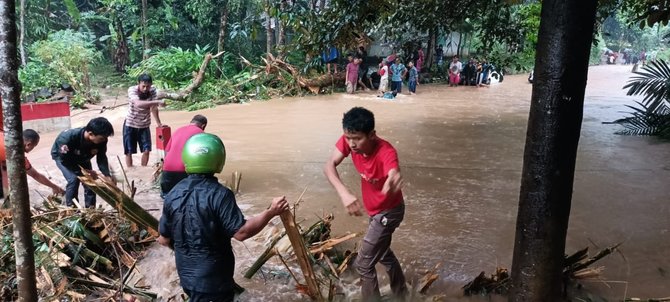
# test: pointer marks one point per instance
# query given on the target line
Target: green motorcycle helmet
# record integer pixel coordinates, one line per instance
(203, 153)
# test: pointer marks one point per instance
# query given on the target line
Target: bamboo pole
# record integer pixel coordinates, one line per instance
(301, 253)
(121, 201)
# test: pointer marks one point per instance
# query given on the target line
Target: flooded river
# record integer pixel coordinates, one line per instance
(461, 153)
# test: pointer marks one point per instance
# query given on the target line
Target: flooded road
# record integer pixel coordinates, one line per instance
(461, 153)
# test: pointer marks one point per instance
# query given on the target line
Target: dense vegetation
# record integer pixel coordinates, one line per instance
(63, 41)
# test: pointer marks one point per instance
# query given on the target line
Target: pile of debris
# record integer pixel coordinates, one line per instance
(320, 257)
(311, 248)
(83, 253)
(577, 267)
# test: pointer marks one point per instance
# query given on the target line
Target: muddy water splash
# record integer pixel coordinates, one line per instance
(461, 154)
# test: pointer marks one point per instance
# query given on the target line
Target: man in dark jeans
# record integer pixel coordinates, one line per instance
(74, 148)
(376, 161)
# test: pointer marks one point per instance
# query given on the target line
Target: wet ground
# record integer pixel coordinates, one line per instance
(461, 154)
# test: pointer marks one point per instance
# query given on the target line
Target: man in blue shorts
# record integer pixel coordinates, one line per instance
(142, 101)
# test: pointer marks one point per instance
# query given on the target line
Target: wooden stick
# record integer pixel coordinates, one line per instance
(287, 268)
(124, 173)
(300, 250)
(331, 266)
(330, 243)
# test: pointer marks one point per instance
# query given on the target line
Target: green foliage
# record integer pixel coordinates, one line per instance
(511, 62)
(72, 9)
(65, 57)
(172, 68)
(342, 23)
(510, 44)
(37, 75)
(652, 117)
(596, 51)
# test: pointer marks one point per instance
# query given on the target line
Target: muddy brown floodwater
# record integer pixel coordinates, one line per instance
(461, 153)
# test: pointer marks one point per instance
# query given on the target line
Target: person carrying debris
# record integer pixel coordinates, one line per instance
(377, 162)
(74, 148)
(30, 140)
(173, 166)
(200, 216)
(143, 100)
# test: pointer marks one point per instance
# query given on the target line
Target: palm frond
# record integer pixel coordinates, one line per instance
(644, 120)
(652, 81)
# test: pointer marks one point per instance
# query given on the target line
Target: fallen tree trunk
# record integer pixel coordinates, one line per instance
(314, 85)
(197, 80)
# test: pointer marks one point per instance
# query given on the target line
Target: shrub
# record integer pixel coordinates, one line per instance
(64, 57)
(173, 68)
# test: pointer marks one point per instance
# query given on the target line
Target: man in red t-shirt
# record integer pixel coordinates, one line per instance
(173, 166)
(377, 162)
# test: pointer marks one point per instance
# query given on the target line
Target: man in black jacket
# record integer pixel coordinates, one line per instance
(201, 216)
(75, 148)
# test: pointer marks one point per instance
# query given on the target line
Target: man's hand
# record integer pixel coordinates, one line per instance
(164, 241)
(159, 125)
(352, 204)
(111, 179)
(162, 103)
(279, 205)
(393, 183)
(64, 149)
(57, 190)
(93, 174)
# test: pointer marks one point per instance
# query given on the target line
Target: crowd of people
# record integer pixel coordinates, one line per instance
(628, 56)
(390, 74)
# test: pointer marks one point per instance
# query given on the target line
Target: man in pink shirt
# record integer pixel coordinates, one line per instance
(173, 166)
(377, 162)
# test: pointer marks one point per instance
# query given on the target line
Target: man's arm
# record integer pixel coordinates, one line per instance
(103, 164)
(164, 228)
(39, 177)
(154, 112)
(254, 225)
(350, 201)
(393, 183)
(61, 144)
(134, 98)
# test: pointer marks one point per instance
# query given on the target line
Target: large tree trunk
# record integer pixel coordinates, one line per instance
(554, 125)
(268, 29)
(122, 53)
(222, 27)
(430, 52)
(22, 33)
(281, 42)
(10, 91)
(145, 41)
